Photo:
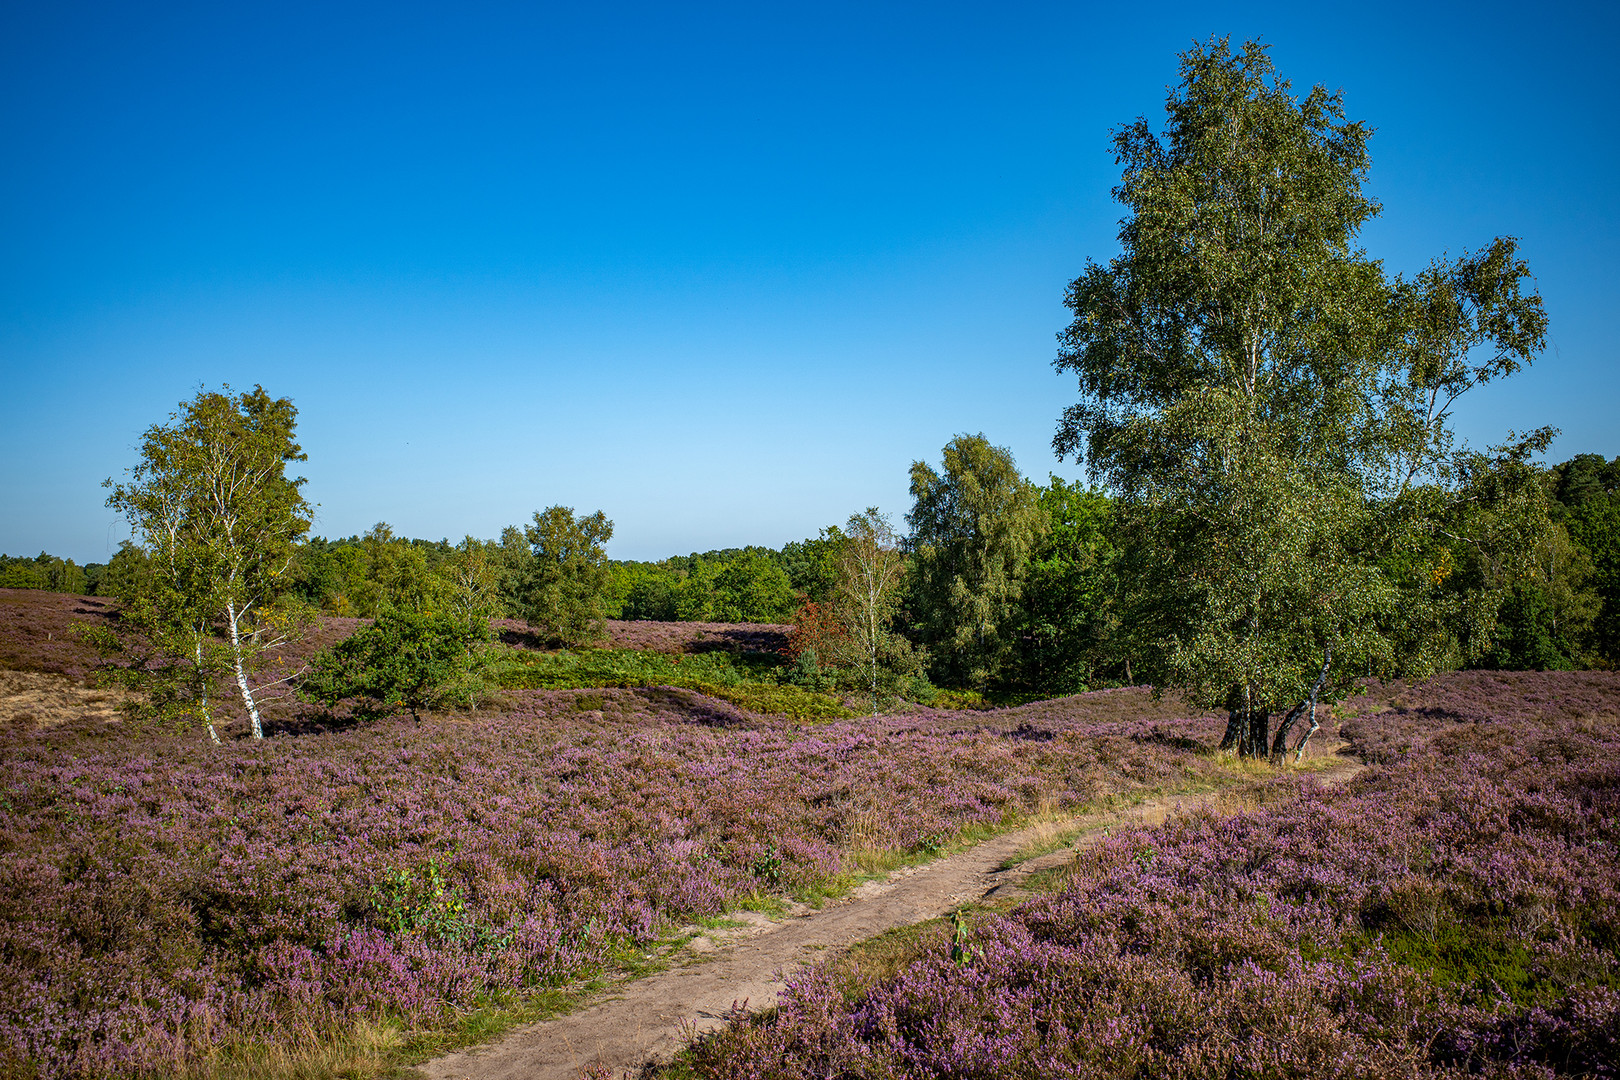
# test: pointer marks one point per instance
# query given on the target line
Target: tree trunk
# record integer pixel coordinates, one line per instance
(1279, 747)
(241, 675)
(1248, 727)
(208, 717)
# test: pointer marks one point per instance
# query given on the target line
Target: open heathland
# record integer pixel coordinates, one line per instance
(169, 907)
(166, 903)
(1453, 911)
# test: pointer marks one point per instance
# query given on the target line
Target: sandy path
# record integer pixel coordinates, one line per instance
(652, 1018)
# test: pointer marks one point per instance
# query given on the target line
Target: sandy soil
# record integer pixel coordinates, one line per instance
(44, 699)
(652, 1018)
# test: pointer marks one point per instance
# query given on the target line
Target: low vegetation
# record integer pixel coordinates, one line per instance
(1452, 912)
(164, 896)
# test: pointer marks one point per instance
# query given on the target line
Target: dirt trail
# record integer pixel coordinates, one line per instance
(652, 1018)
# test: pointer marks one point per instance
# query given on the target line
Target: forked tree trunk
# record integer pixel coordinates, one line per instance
(1279, 746)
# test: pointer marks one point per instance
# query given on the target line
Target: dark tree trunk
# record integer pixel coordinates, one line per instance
(1248, 729)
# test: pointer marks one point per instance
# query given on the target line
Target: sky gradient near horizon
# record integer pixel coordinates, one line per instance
(721, 271)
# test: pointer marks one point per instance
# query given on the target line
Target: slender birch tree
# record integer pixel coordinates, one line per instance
(218, 518)
(867, 596)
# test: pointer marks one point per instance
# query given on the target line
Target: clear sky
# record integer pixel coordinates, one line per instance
(720, 271)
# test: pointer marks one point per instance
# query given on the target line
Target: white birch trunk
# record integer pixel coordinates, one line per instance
(241, 675)
(208, 717)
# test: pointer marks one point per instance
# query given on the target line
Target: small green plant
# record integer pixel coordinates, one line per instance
(768, 866)
(932, 844)
(961, 949)
(405, 903)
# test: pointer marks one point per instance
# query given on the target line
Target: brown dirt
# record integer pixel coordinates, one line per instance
(651, 1019)
(42, 699)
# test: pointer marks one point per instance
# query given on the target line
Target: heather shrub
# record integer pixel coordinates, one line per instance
(1453, 912)
(162, 897)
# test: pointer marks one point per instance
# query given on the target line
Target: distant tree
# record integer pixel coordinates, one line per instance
(473, 579)
(218, 519)
(399, 575)
(45, 571)
(871, 569)
(753, 587)
(642, 590)
(1068, 633)
(1587, 490)
(1272, 413)
(20, 573)
(812, 564)
(973, 528)
(512, 557)
(403, 660)
(563, 587)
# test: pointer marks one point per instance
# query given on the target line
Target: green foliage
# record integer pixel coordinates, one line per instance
(775, 699)
(1068, 631)
(219, 521)
(428, 904)
(43, 571)
(364, 576)
(812, 564)
(1546, 618)
(752, 588)
(733, 585)
(866, 598)
(1272, 413)
(562, 589)
(974, 528)
(1587, 490)
(579, 668)
(401, 661)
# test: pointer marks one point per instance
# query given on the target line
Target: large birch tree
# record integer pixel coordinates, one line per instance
(1272, 410)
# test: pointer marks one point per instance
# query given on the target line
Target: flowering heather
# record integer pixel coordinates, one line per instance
(161, 895)
(1453, 912)
(35, 630)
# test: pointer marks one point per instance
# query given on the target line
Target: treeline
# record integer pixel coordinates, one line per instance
(369, 574)
(51, 573)
(1024, 597)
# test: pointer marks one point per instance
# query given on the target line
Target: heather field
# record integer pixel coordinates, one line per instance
(1454, 911)
(171, 908)
(167, 906)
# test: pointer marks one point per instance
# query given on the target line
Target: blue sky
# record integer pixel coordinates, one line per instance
(720, 271)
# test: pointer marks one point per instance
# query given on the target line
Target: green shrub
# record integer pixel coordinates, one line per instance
(401, 661)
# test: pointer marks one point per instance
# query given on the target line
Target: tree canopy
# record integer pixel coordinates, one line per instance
(973, 527)
(564, 581)
(1273, 411)
(218, 519)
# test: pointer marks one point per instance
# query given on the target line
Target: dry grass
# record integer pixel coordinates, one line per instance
(34, 699)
